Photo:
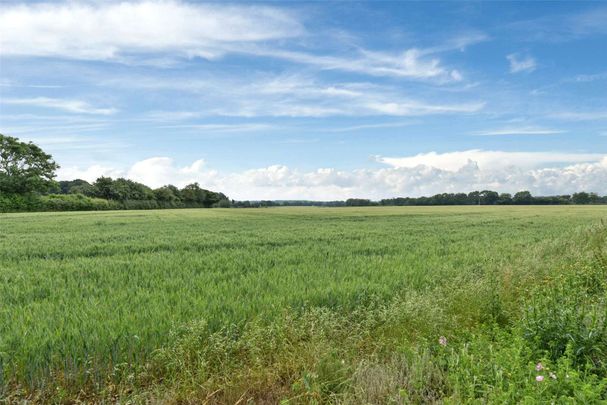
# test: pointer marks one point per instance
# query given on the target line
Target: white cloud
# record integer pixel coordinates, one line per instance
(111, 30)
(90, 173)
(488, 160)
(74, 106)
(526, 130)
(521, 64)
(159, 171)
(157, 32)
(412, 107)
(423, 174)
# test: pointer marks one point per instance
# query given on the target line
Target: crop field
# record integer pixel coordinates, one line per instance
(304, 305)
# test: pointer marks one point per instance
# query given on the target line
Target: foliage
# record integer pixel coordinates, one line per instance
(24, 167)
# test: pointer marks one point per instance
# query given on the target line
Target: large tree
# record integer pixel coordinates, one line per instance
(24, 167)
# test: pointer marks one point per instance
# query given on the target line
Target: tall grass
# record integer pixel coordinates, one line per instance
(304, 305)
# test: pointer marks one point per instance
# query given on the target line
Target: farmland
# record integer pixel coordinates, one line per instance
(307, 304)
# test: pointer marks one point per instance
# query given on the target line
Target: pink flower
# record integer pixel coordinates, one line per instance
(539, 378)
(539, 367)
(442, 341)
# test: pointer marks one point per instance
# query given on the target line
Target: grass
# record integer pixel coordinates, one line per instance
(304, 305)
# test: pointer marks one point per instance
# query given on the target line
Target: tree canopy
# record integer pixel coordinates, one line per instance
(24, 167)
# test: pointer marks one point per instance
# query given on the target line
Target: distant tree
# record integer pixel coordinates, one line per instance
(167, 194)
(523, 197)
(193, 194)
(127, 189)
(504, 199)
(581, 198)
(594, 198)
(489, 197)
(224, 203)
(104, 188)
(77, 186)
(122, 189)
(24, 167)
(358, 202)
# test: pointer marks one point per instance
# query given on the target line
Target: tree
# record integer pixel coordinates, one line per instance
(77, 186)
(581, 198)
(523, 197)
(489, 197)
(358, 202)
(504, 198)
(104, 189)
(167, 194)
(24, 167)
(122, 190)
(193, 194)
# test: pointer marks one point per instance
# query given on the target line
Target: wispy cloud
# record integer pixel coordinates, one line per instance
(563, 27)
(371, 126)
(412, 63)
(590, 77)
(521, 63)
(53, 128)
(74, 106)
(295, 96)
(246, 127)
(526, 130)
(599, 115)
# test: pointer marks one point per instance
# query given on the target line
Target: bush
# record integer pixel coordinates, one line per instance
(74, 202)
(54, 202)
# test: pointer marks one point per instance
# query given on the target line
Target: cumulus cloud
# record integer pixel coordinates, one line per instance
(488, 160)
(521, 63)
(424, 174)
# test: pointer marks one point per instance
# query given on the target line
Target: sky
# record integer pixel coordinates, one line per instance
(313, 100)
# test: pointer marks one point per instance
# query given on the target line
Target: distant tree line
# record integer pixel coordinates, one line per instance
(485, 197)
(488, 197)
(27, 184)
(130, 192)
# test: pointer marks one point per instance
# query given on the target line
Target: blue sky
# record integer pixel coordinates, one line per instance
(313, 100)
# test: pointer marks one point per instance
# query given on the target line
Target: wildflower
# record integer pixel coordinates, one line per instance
(539, 378)
(552, 375)
(539, 367)
(442, 341)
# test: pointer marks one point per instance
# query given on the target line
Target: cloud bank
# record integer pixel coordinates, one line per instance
(542, 173)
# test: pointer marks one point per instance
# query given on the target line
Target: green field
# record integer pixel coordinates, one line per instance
(88, 299)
